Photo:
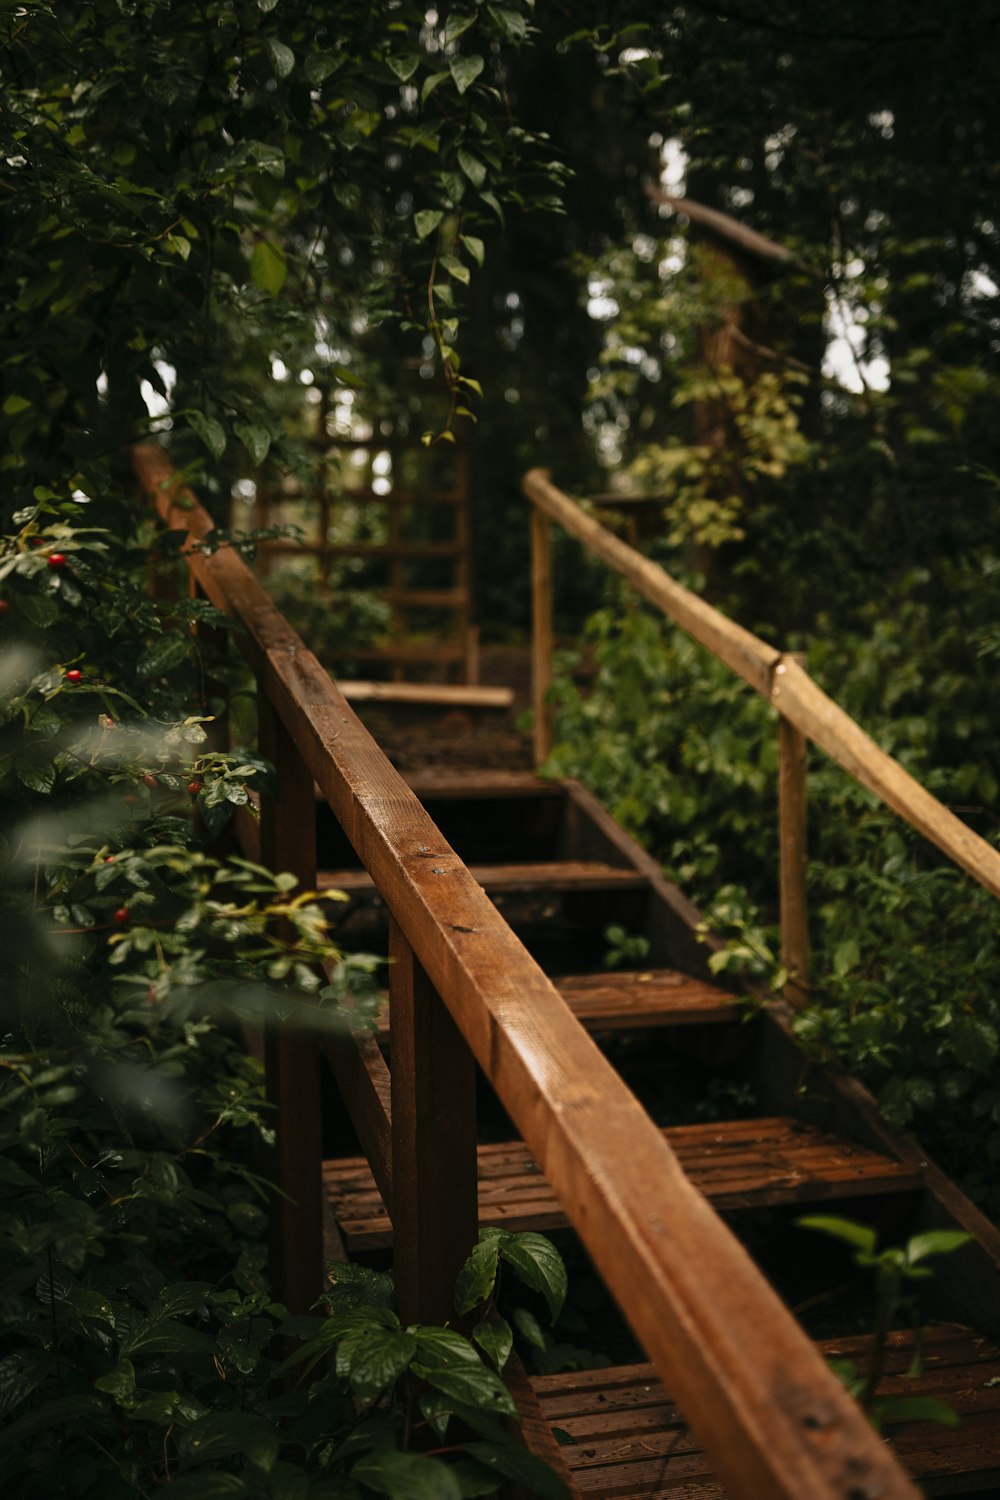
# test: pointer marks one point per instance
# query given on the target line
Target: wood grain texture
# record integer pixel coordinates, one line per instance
(433, 1142)
(739, 1164)
(437, 694)
(775, 1421)
(539, 875)
(630, 1438)
(363, 1079)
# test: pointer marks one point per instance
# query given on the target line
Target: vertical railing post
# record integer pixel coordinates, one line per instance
(792, 805)
(541, 637)
(434, 1178)
(291, 1059)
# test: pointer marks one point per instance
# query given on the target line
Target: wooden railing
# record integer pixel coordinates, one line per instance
(775, 1422)
(806, 713)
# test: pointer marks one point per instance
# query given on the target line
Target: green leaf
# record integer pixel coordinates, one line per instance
(119, 1383)
(255, 439)
(477, 1278)
(846, 956)
(475, 247)
(211, 432)
(513, 25)
(515, 1462)
(494, 1337)
(222, 1434)
(935, 1242)
(380, 1357)
(450, 1364)
(430, 84)
(529, 1326)
(407, 1476)
(456, 269)
(465, 71)
(320, 65)
(426, 221)
(207, 1486)
(267, 268)
(266, 5)
(539, 1265)
(15, 404)
(915, 1409)
(472, 167)
(455, 26)
(163, 656)
(282, 57)
(35, 772)
(861, 1236)
(492, 201)
(404, 66)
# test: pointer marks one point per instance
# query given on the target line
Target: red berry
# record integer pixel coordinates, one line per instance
(150, 780)
(74, 675)
(122, 915)
(4, 606)
(57, 559)
(109, 859)
(35, 541)
(194, 787)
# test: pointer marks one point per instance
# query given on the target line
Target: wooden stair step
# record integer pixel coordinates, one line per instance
(626, 999)
(737, 1164)
(506, 879)
(433, 694)
(630, 1442)
(629, 1000)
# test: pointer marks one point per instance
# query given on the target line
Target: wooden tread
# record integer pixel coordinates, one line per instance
(651, 997)
(629, 1001)
(433, 694)
(554, 875)
(737, 1164)
(628, 1440)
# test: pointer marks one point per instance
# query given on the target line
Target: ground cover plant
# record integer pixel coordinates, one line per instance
(142, 1345)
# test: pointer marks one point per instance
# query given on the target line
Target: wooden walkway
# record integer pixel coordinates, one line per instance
(491, 894)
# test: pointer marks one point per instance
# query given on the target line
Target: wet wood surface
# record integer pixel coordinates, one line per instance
(738, 1164)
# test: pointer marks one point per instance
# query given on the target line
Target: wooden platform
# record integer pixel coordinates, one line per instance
(737, 1164)
(628, 1441)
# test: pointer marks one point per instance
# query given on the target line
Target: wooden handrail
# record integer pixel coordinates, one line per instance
(774, 1421)
(779, 678)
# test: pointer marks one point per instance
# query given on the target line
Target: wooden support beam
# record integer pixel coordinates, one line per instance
(541, 636)
(434, 1173)
(792, 813)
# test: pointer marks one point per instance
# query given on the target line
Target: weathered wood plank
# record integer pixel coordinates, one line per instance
(434, 694)
(362, 1077)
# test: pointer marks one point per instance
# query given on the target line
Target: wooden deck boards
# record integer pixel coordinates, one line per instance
(628, 1440)
(737, 1164)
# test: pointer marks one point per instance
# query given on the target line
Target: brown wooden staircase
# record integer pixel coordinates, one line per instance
(492, 894)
